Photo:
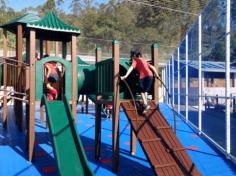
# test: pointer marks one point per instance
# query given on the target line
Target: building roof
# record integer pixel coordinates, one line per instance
(53, 23)
(210, 66)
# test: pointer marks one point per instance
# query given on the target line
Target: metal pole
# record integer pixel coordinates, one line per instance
(163, 78)
(166, 81)
(186, 81)
(227, 75)
(169, 86)
(200, 73)
(173, 81)
(178, 81)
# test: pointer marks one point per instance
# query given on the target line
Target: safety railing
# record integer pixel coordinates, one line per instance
(15, 76)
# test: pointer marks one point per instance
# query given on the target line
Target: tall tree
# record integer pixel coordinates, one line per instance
(50, 5)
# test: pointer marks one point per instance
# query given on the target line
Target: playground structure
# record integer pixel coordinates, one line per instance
(100, 82)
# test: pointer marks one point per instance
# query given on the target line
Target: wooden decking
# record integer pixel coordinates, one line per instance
(161, 146)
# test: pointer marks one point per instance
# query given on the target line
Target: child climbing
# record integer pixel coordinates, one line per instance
(51, 71)
(52, 92)
(52, 78)
(108, 110)
(146, 71)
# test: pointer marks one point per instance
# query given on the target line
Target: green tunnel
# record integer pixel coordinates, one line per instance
(86, 81)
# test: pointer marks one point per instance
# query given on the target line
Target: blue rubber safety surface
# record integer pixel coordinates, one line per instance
(13, 155)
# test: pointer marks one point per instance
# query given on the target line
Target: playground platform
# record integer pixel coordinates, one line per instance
(13, 160)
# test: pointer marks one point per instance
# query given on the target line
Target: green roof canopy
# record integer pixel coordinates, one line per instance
(12, 24)
(53, 23)
(50, 27)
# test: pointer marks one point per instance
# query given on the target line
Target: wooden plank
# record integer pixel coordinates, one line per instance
(158, 152)
(177, 149)
(150, 147)
(174, 153)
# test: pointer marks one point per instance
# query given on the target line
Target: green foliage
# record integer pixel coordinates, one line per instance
(135, 25)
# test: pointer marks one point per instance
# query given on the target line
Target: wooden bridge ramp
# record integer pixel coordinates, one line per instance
(160, 144)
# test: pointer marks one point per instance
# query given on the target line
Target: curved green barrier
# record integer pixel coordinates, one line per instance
(86, 81)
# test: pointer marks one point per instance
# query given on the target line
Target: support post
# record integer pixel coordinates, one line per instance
(5, 50)
(64, 49)
(116, 105)
(133, 141)
(155, 57)
(86, 104)
(82, 104)
(18, 104)
(48, 47)
(56, 49)
(41, 48)
(31, 132)
(74, 74)
(98, 109)
(41, 114)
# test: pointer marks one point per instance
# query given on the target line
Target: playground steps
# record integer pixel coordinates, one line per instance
(161, 146)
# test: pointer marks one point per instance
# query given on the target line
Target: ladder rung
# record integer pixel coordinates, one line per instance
(176, 149)
(150, 140)
(139, 119)
(153, 108)
(164, 165)
(162, 127)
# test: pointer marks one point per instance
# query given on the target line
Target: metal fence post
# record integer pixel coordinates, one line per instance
(173, 81)
(178, 80)
(186, 79)
(169, 86)
(227, 75)
(200, 73)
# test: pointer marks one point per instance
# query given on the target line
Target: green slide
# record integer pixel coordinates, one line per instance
(68, 149)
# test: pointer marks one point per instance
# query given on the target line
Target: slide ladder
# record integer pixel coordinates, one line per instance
(164, 151)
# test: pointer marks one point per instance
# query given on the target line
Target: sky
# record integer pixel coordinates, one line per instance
(18, 5)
